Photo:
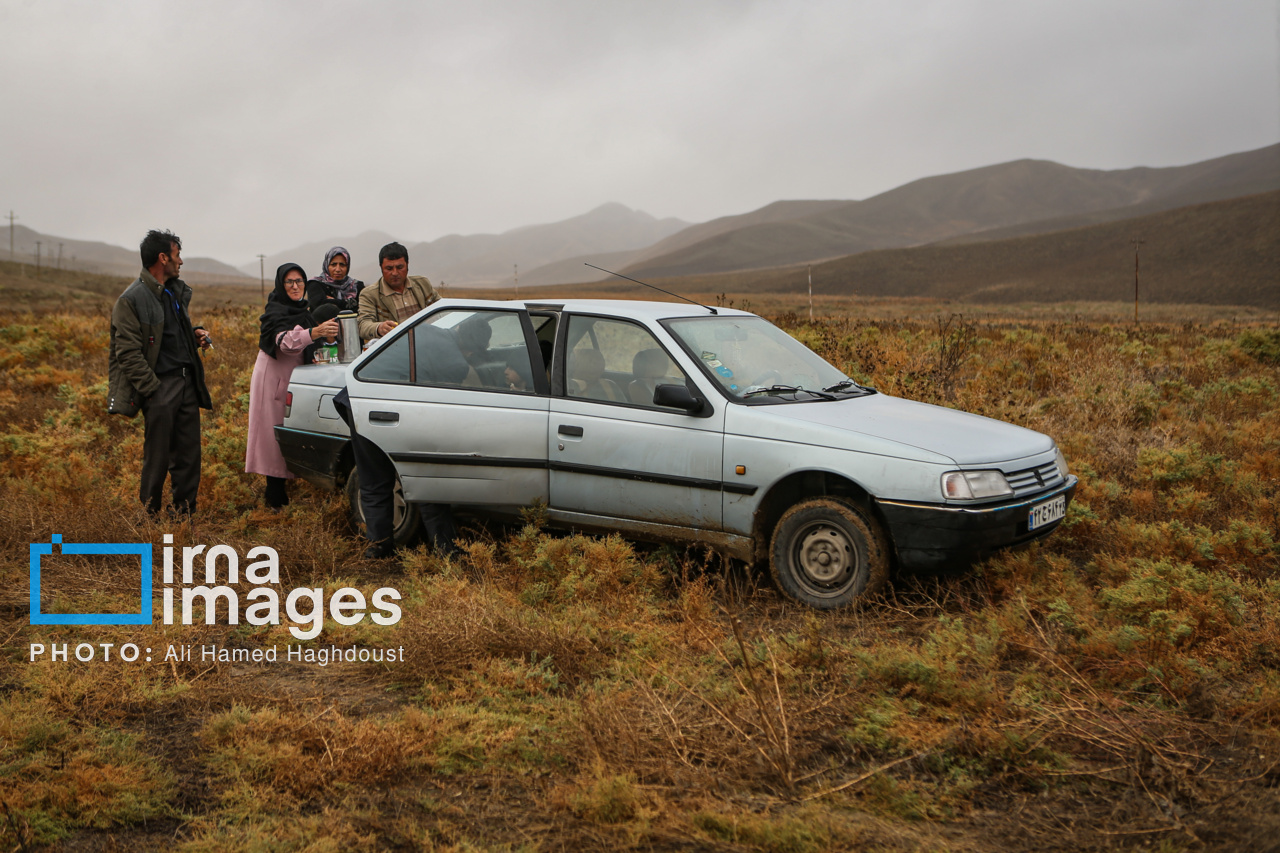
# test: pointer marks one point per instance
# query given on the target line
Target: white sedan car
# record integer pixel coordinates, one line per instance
(677, 423)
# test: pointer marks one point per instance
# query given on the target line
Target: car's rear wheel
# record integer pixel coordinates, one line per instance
(405, 521)
(828, 553)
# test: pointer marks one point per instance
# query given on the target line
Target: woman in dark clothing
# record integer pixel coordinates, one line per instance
(286, 332)
(334, 285)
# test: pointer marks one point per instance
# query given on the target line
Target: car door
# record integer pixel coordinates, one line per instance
(615, 454)
(455, 402)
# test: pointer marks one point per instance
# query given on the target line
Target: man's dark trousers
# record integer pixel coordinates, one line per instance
(171, 443)
(377, 490)
(377, 477)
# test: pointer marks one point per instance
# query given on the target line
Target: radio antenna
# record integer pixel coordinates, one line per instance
(654, 286)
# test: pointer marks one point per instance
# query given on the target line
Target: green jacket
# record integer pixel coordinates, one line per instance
(376, 304)
(137, 326)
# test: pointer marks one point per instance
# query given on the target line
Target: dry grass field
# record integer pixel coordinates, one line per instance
(1114, 688)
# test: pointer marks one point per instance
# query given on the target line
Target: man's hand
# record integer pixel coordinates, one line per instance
(203, 339)
(386, 326)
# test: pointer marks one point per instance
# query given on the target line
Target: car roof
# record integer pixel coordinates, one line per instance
(635, 309)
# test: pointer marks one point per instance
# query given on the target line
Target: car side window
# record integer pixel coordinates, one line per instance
(390, 363)
(614, 361)
(462, 348)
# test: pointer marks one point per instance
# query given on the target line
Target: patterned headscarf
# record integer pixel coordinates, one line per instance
(345, 288)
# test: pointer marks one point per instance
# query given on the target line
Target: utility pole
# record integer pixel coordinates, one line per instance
(11, 219)
(516, 267)
(37, 259)
(59, 256)
(262, 276)
(1136, 243)
(810, 293)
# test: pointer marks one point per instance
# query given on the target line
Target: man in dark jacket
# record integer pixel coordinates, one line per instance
(154, 367)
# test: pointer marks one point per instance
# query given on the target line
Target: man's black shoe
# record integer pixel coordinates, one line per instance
(380, 550)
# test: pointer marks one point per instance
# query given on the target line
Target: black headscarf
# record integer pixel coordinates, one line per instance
(282, 313)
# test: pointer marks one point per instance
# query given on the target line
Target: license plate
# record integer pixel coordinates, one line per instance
(1047, 512)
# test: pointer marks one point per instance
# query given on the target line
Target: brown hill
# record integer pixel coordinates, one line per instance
(59, 290)
(1026, 196)
(574, 271)
(1220, 253)
(488, 259)
(53, 252)
(480, 260)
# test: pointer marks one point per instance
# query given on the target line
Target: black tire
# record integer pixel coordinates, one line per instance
(405, 530)
(827, 554)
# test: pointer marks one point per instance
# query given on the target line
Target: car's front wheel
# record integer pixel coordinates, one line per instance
(827, 553)
(405, 520)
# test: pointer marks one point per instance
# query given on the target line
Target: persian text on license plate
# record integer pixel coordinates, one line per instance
(1047, 512)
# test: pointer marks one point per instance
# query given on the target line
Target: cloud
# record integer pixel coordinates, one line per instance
(251, 127)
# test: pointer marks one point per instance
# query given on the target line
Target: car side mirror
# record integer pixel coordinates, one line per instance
(677, 397)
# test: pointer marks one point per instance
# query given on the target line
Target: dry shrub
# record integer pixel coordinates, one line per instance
(954, 667)
(742, 713)
(606, 800)
(577, 570)
(271, 759)
(333, 829)
(451, 627)
(798, 833)
(57, 776)
(1163, 761)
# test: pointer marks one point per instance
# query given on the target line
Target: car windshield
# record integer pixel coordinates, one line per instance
(752, 359)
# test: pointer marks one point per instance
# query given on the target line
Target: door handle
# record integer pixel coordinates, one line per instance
(384, 417)
(571, 431)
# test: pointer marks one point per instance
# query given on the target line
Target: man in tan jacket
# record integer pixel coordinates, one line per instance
(396, 297)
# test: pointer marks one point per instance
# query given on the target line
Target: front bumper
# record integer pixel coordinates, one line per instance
(934, 536)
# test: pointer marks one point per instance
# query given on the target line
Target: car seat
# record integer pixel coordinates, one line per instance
(648, 366)
(586, 377)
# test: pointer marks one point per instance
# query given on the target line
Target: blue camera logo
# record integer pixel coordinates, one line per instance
(143, 550)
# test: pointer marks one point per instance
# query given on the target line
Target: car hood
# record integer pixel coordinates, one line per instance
(894, 427)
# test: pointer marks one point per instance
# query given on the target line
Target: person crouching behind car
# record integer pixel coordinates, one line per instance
(287, 332)
(377, 474)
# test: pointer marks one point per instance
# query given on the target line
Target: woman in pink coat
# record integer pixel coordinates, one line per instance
(287, 331)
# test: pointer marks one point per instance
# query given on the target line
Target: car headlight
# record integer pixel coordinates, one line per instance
(974, 485)
(1061, 462)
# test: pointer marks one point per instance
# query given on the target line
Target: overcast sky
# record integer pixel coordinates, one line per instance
(251, 127)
